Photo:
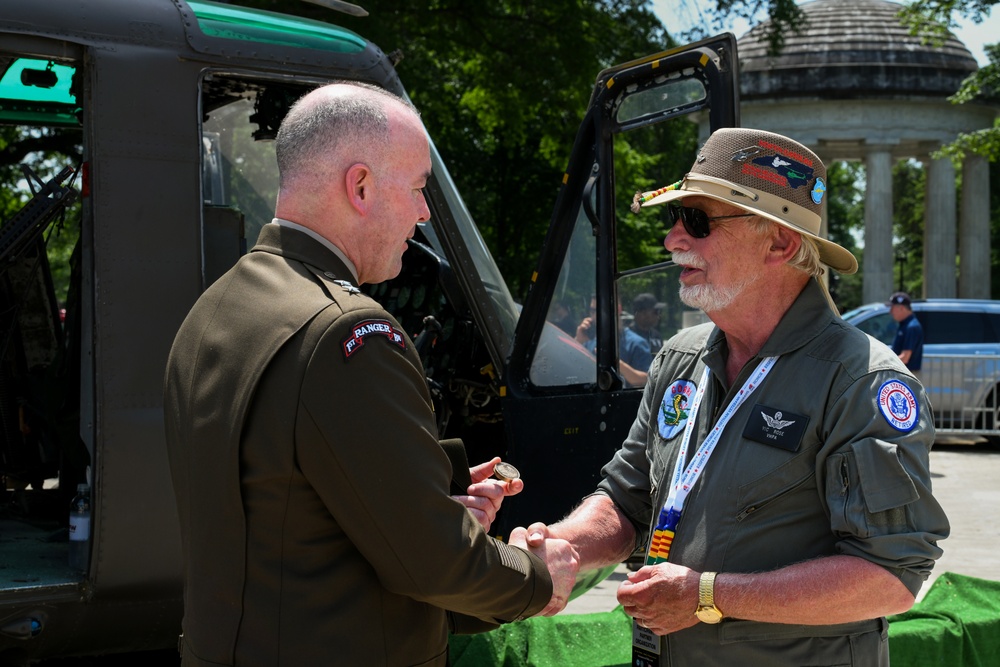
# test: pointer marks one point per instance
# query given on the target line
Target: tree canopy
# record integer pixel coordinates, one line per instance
(502, 86)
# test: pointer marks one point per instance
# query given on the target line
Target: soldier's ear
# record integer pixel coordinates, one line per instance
(360, 185)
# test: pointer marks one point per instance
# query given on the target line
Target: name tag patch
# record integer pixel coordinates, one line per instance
(776, 428)
(366, 328)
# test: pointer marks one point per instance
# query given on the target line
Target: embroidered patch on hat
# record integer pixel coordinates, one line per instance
(780, 165)
(366, 328)
(898, 405)
(776, 428)
(672, 416)
(781, 171)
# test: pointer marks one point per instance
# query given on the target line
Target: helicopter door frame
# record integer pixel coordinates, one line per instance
(561, 431)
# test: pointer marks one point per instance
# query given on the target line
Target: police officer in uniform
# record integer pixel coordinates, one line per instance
(908, 343)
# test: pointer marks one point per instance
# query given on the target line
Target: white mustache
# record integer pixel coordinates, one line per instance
(687, 258)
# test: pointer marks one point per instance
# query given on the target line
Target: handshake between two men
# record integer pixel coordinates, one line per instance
(483, 500)
(596, 534)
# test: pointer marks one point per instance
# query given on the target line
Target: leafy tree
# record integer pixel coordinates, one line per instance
(909, 182)
(783, 16)
(46, 151)
(502, 87)
(846, 215)
(930, 19)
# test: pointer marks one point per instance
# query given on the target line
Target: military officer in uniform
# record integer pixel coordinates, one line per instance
(317, 525)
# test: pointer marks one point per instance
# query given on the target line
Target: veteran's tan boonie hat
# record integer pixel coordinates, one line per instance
(765, 174)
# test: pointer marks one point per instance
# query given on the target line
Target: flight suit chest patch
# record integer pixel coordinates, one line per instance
(672, 416)
(775, 428)
(365, 328)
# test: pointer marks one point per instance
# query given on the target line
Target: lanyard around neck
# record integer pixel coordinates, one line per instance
(685, 476)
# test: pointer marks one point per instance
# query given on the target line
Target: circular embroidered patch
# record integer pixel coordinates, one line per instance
(672, 415)
(898, 405)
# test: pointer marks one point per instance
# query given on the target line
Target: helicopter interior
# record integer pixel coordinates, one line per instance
(42, 454)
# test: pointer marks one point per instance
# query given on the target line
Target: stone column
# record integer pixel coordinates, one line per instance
(974, 229)
(940, 249)
(878, 260)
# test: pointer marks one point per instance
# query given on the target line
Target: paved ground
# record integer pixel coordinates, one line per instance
(966, 480)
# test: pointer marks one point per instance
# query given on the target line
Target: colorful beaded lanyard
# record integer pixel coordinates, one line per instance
(684, 478)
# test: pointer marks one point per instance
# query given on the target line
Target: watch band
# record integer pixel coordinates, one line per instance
(706, 589)
(707, 612)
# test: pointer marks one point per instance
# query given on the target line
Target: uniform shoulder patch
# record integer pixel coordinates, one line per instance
(898, 405)
(371, 327)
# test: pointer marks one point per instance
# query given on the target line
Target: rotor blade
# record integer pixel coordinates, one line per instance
(341, 6)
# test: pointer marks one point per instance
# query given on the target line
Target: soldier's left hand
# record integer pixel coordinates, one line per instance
(485, 495)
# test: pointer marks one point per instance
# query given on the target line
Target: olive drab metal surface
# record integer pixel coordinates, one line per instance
(139, 167)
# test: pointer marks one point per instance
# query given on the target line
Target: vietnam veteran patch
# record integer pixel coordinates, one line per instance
(672, 417)
(366, 328)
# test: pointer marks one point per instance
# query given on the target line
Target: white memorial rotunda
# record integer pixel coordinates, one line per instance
(853, 84)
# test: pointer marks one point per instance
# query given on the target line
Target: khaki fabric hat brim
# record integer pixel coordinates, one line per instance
(766, 205)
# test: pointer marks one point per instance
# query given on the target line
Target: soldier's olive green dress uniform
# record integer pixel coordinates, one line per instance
(824, 458)
(313, 494)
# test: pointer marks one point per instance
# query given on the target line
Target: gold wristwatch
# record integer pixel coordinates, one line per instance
(707, 612)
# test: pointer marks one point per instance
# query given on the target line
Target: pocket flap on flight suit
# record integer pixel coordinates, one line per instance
(885, 484)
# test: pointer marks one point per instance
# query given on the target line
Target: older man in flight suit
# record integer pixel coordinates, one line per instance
(776, 476)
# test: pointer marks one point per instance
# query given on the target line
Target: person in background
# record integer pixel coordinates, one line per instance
(909, 341)
(776, 475)
(633, 351)
(586, 330)
(317, 520)
(646, 309)
(560, 315)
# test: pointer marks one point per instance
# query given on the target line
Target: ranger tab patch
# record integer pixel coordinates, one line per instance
(366, 328)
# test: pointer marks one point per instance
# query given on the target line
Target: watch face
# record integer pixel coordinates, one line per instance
(708, 615)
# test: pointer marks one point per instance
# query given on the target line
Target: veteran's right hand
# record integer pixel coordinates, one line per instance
(560, 557)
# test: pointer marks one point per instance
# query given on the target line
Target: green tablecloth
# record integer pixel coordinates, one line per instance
(956, 624)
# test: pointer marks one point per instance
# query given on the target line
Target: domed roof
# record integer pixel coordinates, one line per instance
(851, 49)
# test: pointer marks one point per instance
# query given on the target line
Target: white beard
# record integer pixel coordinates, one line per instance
(711, 298)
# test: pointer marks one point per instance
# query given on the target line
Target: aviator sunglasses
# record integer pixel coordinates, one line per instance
(696, 222)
